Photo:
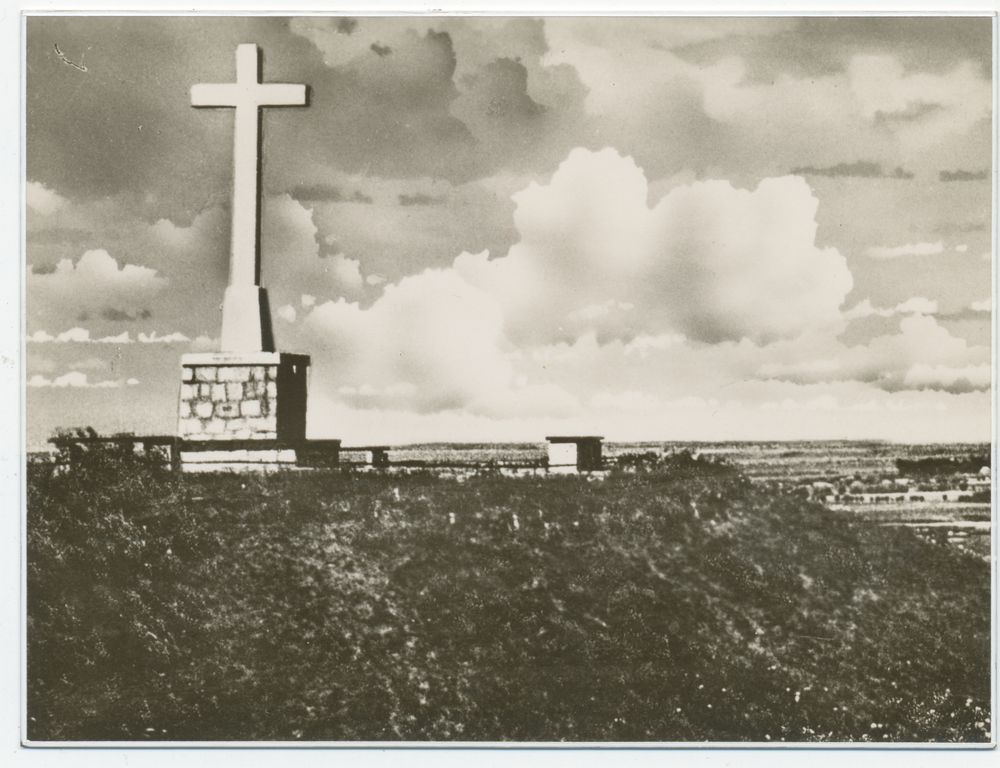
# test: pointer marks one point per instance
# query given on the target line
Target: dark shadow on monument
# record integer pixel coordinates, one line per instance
(291, 405)
(266, 330)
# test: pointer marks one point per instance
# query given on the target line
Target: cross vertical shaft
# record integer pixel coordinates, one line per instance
(245, 317)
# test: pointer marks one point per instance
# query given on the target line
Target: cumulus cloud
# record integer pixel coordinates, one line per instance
(288, 229)
(430, 342)
(347, 273)
(95, 283)
(923, 355)
(42, 200)
(77, 335)
(121, 338)
(957, 380)
(71, 379)
(172, 235)
(80, 335)
(986, 305)
(910, 249)
(594, 265)
(293, 260)
(287, 313)
(709, 261)
(926, 107)
(643, 345)
(170, 338)
(916, 305)
(205, 344)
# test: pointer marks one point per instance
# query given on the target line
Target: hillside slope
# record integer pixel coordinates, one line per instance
(674, 604)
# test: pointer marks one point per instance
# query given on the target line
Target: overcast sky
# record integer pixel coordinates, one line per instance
(503, 228)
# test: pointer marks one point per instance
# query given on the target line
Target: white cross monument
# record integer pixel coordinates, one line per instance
(245, 318)
(245, 405)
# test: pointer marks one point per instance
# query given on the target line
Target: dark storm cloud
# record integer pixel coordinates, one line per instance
(860, 169)
(421, 199)
(317, 192)
(119, 316)
(418, 75)
(325, 193)
(126, 124)
(913, 113)
(392, 108)
(43, 269)
(450, 101)
(125, 127)
(966, 313)
(963, 385)
(961, 175)
(387, 116)
(501, 91)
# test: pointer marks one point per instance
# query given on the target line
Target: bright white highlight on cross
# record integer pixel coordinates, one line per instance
(243, 328)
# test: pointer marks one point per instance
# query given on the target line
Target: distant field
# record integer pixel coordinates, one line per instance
(920, 512)
(759, 461)
(787, 461)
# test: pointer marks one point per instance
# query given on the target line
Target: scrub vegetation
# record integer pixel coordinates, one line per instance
(670, 601)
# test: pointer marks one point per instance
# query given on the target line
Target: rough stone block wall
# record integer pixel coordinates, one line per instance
(234, 402)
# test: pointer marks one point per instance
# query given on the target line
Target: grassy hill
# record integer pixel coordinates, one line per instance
(677, 603)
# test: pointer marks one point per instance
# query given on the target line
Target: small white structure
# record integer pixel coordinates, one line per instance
(575, 454)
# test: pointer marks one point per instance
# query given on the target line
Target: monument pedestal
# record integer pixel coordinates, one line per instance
(242, 409)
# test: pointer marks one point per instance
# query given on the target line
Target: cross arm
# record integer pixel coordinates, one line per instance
(280, 95)
(258, 94)
(213, 95)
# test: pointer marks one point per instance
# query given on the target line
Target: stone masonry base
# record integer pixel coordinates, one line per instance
(244, 396)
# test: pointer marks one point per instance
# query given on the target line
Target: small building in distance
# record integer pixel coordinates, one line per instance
(579, 454)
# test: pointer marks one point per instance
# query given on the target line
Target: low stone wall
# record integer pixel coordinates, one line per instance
(241, 460)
